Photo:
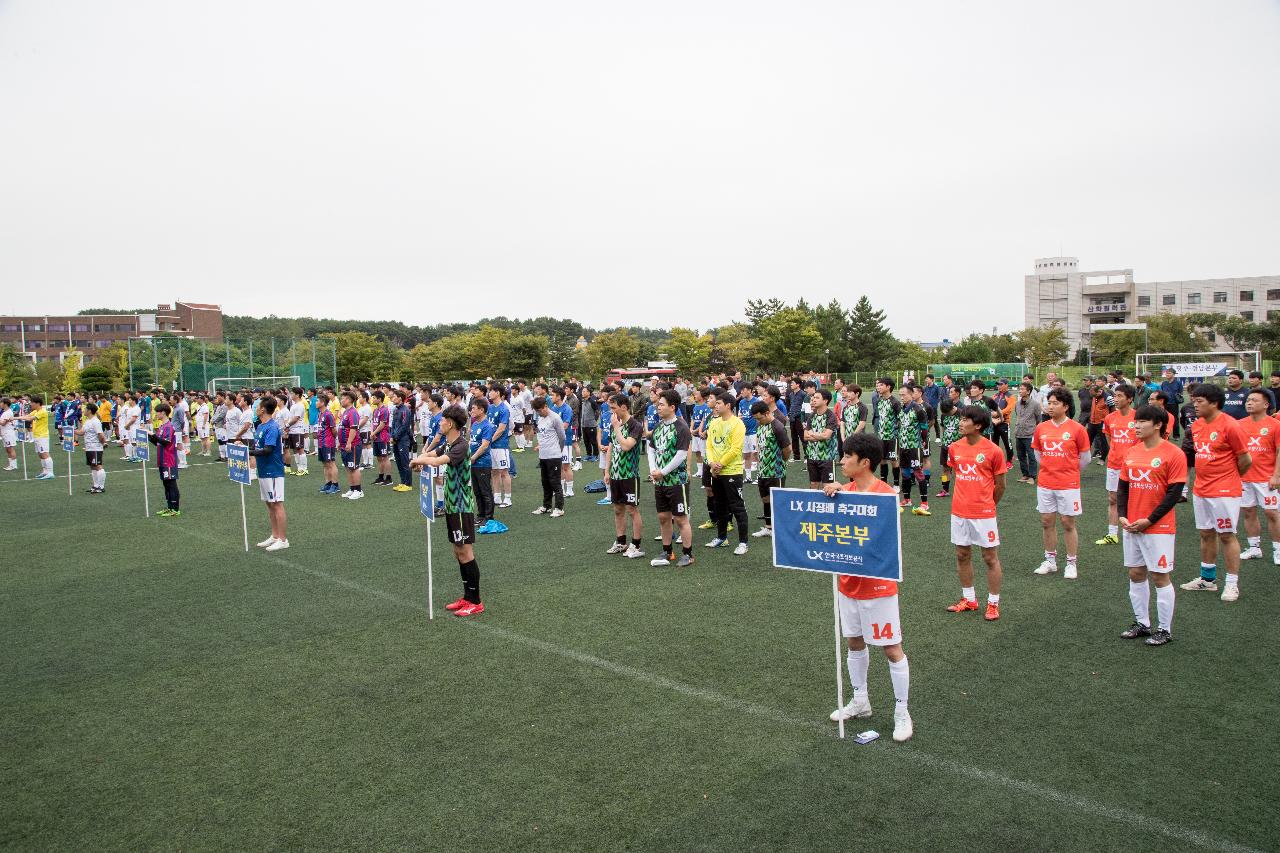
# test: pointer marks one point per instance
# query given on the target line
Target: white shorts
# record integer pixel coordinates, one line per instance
(202, 431)
(748, 444)
(975, 531)
(875, 620)
(1254, 494)
(9, 437)
(1220, 514)
(42, 445)
(1113, 479)
(220, 434)
(1061, 501)
(698, 445)
(501, 458)
(566, 455)
(1152, 550)
(271, 489)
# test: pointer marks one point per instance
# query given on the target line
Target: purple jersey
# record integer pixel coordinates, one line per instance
(380, 424)
(166, 447)
(325, 435)
(350, 431)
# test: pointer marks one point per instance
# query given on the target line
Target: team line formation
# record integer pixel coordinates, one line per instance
(728, 432)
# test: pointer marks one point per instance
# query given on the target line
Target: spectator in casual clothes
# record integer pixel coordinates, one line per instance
(1026, 417)
(1172, 387)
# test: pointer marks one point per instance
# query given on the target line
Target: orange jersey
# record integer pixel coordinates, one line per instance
(1217, 444)
(869, 587)
(1260, 441)
(1060, 447)
(1149, 474)
(975, 468)
(1120, 436)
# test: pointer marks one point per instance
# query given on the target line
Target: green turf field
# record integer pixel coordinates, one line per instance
(165, 690)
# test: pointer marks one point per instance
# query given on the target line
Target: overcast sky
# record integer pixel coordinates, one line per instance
(652, 163)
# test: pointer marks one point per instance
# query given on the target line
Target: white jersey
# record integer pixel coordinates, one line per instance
(365, 411)
(94, 437)
(234, 419)
(132, 418)
(7, 420)
(423, 418)
(298, 410)
(202, 416)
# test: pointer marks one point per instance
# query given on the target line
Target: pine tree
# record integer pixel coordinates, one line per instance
(871, 344)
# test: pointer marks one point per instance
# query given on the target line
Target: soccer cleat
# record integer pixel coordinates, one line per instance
(762, 532)
(904, 503)
(1275, 556)
(1108, 540)
(632, 552)
(164, 513)
(173, 513)
(740, 550)
(1159, 637)
(540, 510)
(355, 496)
(1253, 552)
(1230, 591)
(858, 707)
(1200, 585)
(616, 548)
(601, 502)
(717, 543)
(44, 476)
(270, 540)
(902, 728)
(729, 526)
(963, 605)
(685, 560)
(1136, 630)
(557, 513)
(278, 545)
(943, 493)
(1047, 567)
(993, 612)
(923, 509)
(707, 525)
(401, 487)
(469, 609)
(659, 561)
(454, 605)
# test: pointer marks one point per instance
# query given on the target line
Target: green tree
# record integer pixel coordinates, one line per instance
(1165, 333)
(910, 356)
(690, 351)
(1004, 347)
(95, 379)
(871, 345)
(971, 349)
(1042, 347)
(760, 309)
(48, 377)
(71, 362)
(528, 356)
(788, 341)
(362, 357)
(832, 323)
(562, 356)
(736, 348)
(609, 350)
(16, 373)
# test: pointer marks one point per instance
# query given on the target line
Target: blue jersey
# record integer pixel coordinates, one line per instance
(651, 417)
(744, 412)
(268, 435)
(481, 431)
(782, 407)
(313, 411)
(500, 415)
(701, 412)
(606, 420)
(566, 415)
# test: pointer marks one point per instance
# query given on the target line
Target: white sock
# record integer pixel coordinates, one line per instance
(1255, 541)
(900, 675)
(1051, 557)
(439, 492)
(1164, 606)
(46, 466)
(993, 598)
(858, 662)
(301, 459)
(1140, 598)
(1113, 530)
(968, 594)
(1235, 579)
(698, 473)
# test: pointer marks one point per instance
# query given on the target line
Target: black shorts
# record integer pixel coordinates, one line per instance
(381, 448)
(672, 499)
(624, 492)
(93, 457)
(295, 441)
(907, 457)
(325, 454)
(461, 527)
(944, 458)
(168, 472)
(706, 475)
(889, 449)
(821, 472)
(767, 483)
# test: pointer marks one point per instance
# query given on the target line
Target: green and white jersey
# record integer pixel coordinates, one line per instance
(950, 429)
(770, 441)
(909, 421)
(458, 496)
(851, 417)
(886, 419)
(625, 464)
(668, 439)
(821, 451)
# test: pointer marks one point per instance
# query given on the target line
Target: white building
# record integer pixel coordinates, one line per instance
(1059, 292)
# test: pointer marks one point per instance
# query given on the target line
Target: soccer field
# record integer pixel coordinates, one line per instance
(164, 689)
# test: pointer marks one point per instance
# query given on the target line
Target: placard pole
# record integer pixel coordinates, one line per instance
(244, 520)
(431, 608)
(146, 501)
(835, 604)
(69, 473)
(24, 459)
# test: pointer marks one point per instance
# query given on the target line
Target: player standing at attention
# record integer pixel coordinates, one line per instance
(853, 413)
(979, 468)
(1221, 457)
(9, 433)
(1061, 447)
(349, 441)
(166, 458)
(775, 449)
(327, 444)
(380, 431)
(459, 504)
(481, 463)
(552, 441)
(1261, 480)
(499, 415)
(95, 441)
(724, 455)
(268, 449)
(561, 407)
(627, 434)
(1151, 481)
(884, 420)
(670, 477)
(296, 429)
(745, 401)
(820, 430)
(911, 417)
(38, 417)
(1118, 428)
(949, 434)
(869, 606)
(697, 426)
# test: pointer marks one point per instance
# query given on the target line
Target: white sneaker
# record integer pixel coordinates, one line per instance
(1253, 552)
(355, 496)
(659, 561)
(1275, 556)
(348, 493)
(616, 548)
(902, 728)
(1069, 573)
(278, 545)
(762, 532)
(556, 513)
(632, 552)
(858, 707)
(270, 540)
(540, 510)
(1047, 567)
(716, 543)
(740, 550)
(1197, 584)
(1230, 592)
(577, 466)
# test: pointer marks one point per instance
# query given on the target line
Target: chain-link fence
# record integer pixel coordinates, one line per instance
(204, 364)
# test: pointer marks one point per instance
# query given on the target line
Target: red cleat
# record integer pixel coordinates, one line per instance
(469, 609)
(993, 612)
(962, 605)
(454, 605)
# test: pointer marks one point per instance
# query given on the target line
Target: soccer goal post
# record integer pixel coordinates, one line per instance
(1198, 365)
(238, 383)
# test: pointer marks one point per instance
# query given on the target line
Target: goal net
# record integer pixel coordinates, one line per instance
(1198, 366)
(239, 383)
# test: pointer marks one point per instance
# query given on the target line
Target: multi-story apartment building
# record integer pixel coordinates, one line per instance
(46, 338)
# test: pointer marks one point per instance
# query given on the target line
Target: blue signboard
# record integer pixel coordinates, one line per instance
(852, 533)
(68, 439)
(141, 446)
(425, 506)
(238, 463)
